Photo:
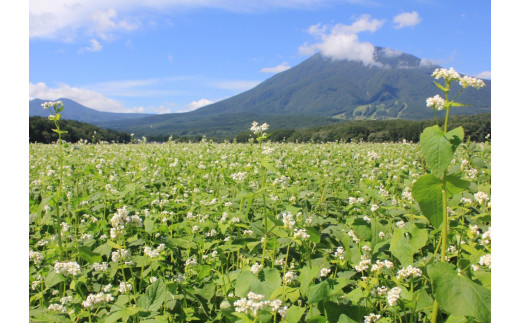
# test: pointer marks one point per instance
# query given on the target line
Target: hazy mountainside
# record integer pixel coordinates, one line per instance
(75, 111)
(348, 90)
(316, 92)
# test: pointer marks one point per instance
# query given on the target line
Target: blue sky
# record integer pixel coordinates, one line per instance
(163, 56)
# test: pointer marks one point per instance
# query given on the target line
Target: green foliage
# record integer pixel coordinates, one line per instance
(40, 130)
(457, 294)
(439, 148)
(176, 194)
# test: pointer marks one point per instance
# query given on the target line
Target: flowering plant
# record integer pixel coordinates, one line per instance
(432, 192)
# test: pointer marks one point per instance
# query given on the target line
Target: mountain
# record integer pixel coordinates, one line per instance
(318, 91)
(78, 112)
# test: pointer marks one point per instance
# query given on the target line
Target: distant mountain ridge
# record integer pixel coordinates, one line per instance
(79, 112)
(317, 91)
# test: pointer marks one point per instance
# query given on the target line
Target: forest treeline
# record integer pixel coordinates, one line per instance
(40, 130)
(476, 127)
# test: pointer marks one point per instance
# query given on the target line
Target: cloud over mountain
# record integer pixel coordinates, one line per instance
(342, 42)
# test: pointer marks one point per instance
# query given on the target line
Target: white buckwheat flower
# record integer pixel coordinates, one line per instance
(324, 272)
(301, 234)
(288, 220)
(363, 264)
(36, 257)
(435, 102)
(256, 268)
(124, 287)
(289, 277)
(120, 255)
(371, 318)
(94, 299)
(472, 82)
(393, 296)
(485, 261)
(67, 268)
(409, 271)
(57, 308)
(100, 267)
(340, 253)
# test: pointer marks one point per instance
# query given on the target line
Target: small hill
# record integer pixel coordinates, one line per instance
(40, 130)
(78, 112)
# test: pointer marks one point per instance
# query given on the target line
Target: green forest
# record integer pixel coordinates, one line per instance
(477, 128)
(40, 130)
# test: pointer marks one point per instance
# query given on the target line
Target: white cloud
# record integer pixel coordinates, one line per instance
(484, 75)
(427, 62)
(95, 46)
(342, 41)
(277, 69)
(392, 52)
(194, 105)
(66, 19)
(105, 22)
(406, 19)
(88, 98)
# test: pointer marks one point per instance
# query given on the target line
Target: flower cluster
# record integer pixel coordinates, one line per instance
(409, 271)
(36, 257)
(55, 104)
(379, 265)
(94, 299)
(239, 177)
(57, 308)
(120, 255)
(485, 261)
(301, 234)
(340, 253)
(119, 220)
(152, 253)
(256, 268)
(288, 220)
(255, 303)
(371, 318)
(472, 82)
(67, 268)
(363, 264)
(393, 296)
(100, 267)
(324, 272)
(124, 287)
(448, 75)
(256, 129)
(436, 102)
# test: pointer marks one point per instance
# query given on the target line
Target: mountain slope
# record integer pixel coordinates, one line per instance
(316, 92)
(78, 112)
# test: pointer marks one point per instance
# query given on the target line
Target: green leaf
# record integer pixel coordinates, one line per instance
(148, 225)
(439, 148)
(318, 292)
(175, 243)
(315, 235)
(408, 241)
(457, 104)
(53, 278)
(294, 313)
(103, 249)
(245, 280)
(458, 295)
(455, 185)
(89, 256)
(156, 293)
(427, 191)
(442, 88)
